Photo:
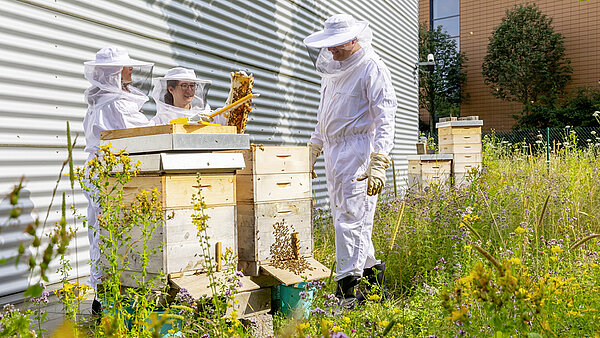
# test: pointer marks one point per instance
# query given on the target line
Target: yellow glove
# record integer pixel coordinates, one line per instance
(376, 173)
(315, 151)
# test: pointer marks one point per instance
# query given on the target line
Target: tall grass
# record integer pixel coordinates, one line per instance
(534, 224)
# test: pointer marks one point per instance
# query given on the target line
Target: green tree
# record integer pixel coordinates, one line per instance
(444, 83)
(576, 110)
(526, 59)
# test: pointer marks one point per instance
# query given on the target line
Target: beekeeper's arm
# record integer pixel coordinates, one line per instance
(382, 107)
(316, 140)
(127, 114)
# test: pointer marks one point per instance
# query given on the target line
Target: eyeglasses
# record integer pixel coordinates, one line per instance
(186, 86)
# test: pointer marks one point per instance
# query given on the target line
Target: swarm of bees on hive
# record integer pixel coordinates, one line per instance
(241, 85)
(284, 251)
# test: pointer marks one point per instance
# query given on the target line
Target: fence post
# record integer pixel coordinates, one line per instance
(548, 148)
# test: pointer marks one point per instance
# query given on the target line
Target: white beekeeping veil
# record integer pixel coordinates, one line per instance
(165, 110)
(107, 82)
(338, 29)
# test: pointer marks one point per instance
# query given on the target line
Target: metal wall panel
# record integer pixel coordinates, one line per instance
(43, 45)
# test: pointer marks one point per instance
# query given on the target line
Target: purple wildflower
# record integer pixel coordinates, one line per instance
(184, 296)
(317, 311)
(43, 299)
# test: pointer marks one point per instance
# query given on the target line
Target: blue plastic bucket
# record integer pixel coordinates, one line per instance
(293, 301)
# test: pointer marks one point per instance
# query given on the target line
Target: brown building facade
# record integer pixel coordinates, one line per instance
(578, 22)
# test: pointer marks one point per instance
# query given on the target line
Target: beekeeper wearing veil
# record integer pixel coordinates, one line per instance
(355, 132)
(181, 94)
(118, 89)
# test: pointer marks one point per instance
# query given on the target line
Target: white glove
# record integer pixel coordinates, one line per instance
(200, 117)
(376, 173)
(315, 151)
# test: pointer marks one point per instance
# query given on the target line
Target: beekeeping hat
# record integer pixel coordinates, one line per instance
(338, 29)
(165, 110)
(115, 56)
(182, 74)
(105, 77)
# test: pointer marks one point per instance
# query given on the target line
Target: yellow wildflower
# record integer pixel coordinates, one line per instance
(302, 326)
(458, 314)
(468, 247)
(521, 292)
(375, 297)
(520, 230)
(383, 323)
(346, 319)
(515, 261)
(557, 249)
(553, 258)
(399, 326)
(337, 329)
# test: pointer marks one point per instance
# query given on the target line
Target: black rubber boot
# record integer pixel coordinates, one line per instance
(96, 311)
(346, 292)
(96, 308)
(374, 278)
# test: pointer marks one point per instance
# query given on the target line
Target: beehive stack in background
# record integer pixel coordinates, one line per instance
(462, 138)
(428, 169)
(171, 156)
(241, 85)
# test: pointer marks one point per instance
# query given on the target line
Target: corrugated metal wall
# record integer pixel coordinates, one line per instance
(43, 45)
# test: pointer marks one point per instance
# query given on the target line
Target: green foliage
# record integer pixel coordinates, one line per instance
(574, 110)
(448, 76)
(515, 253)
(124, 230)
(526, 58)
(214, 315)
(14, 323)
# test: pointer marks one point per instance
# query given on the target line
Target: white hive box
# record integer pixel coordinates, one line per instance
(173, 158)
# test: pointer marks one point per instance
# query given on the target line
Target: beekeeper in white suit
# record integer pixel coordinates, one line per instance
(119, 87)
(355, 132)
(181, 94)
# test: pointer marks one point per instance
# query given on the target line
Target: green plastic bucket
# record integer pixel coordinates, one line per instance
(293, 301)
(159, 312)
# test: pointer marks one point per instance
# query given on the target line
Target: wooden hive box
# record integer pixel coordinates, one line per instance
(424, 170)
(274, 188)
(462, 138)
(176, 175)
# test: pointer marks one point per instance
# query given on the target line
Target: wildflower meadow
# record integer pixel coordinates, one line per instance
(512, 253)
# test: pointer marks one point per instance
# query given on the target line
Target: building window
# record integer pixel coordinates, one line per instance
(446, 13)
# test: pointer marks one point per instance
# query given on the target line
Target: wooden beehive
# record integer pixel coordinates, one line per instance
(462, 138)
(275, 186)
(177, 174)
(425, 170)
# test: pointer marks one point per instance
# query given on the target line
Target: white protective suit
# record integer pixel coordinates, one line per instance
(199, 106)
(109, 107)
(355, 119)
